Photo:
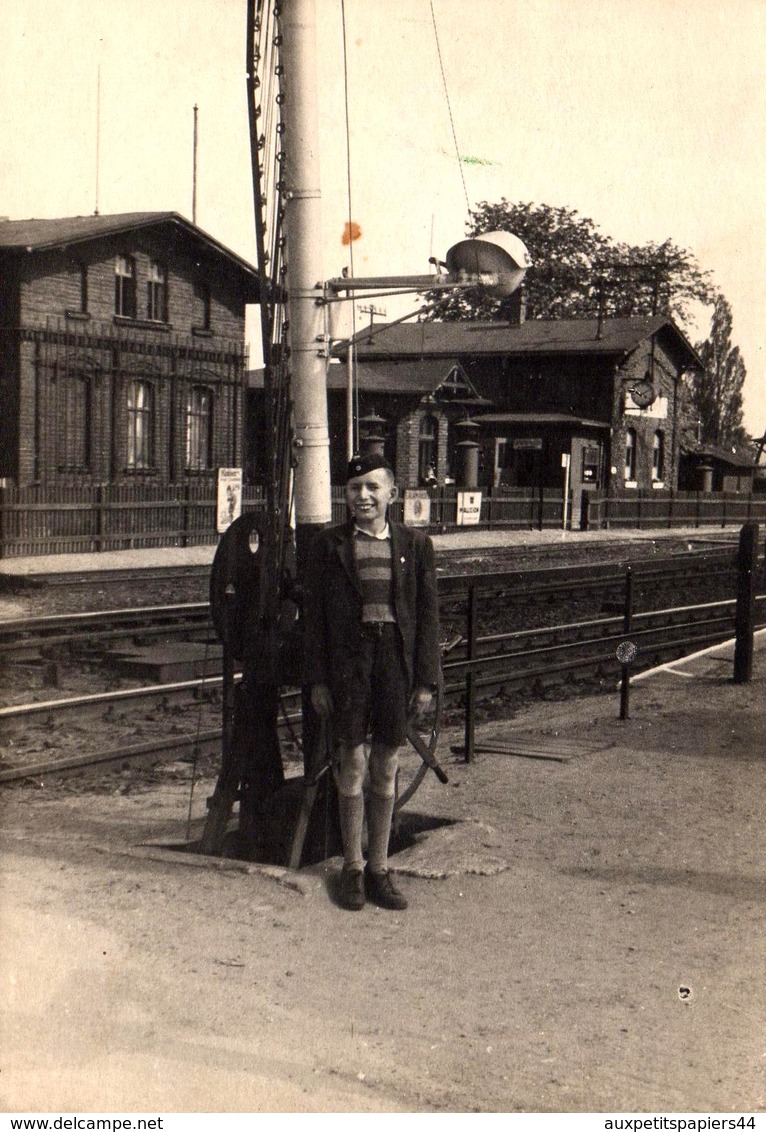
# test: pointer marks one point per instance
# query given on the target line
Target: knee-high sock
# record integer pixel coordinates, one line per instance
(380, 811)
(351, 812)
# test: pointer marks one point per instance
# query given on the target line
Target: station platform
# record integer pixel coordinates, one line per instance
(158, 558)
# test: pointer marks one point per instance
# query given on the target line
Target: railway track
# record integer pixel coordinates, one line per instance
(507, 633)
(519, 586)
(582, 653)
(85, 628)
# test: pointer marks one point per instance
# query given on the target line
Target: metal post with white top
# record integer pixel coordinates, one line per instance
(307, 338)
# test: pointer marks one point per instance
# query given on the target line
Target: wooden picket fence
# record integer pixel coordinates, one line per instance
(58, 520)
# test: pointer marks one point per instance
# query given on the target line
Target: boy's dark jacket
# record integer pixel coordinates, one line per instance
(332, 605)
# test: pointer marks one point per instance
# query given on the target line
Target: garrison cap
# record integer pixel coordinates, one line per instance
(370, 462)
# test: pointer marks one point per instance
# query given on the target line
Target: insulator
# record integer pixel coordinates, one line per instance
(279, 69)
(258, 111)
(281, 156)
(261, 141)
(280, 128)
(277, 41)
(279, 99)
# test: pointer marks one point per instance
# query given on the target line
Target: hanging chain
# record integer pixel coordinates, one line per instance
(266, 96)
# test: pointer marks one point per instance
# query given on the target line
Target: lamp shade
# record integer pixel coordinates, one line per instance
(499, 254)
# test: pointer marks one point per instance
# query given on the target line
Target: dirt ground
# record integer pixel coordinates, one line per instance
(583, 935)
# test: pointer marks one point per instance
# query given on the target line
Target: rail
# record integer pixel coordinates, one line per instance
(584, 650)
(522, 583)
(104, 624)
(583, 646)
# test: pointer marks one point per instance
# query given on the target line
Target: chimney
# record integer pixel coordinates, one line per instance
(513, 309)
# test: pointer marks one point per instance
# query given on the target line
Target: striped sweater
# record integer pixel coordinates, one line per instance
(373, 566)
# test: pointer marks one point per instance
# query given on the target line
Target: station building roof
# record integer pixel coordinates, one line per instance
(61, 233)
(612, 337)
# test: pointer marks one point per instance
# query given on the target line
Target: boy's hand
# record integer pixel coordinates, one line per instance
(321, 700)
(420, 701)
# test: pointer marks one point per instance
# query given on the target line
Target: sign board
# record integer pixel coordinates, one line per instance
(468, 508)
(527, 443)
(417, 507)
(229, 498)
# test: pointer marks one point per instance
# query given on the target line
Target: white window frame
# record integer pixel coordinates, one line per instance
(199, 428)
(140, 426)
(157, 292)
(125, 286)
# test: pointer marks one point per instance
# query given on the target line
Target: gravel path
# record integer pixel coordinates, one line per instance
(583, 935)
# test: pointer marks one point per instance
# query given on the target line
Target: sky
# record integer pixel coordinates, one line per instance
(647, 116)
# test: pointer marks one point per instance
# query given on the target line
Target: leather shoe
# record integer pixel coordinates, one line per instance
(351, 889)
(381, 889)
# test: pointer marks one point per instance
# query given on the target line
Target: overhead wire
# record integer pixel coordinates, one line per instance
(449, 106)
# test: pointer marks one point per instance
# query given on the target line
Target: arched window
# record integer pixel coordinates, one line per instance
(199, 429)
(140, 426)
(658, 457)
(630, 454)
(73, 423)
(428, 443)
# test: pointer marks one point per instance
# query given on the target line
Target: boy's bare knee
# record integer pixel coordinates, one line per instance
(349, 769)
(384, 762)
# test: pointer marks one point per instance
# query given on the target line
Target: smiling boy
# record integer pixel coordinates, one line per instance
(372, 660)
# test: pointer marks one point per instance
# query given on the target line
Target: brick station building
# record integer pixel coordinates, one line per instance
(607, 394)
(123, 351)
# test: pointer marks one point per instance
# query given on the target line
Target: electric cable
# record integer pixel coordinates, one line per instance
(449, 107)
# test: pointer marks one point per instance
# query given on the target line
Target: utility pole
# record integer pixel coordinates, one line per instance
(372, 310)
(194, 169)
(98, 134)
(307, 338)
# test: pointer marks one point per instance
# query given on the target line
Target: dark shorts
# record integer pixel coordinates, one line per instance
(370, 692)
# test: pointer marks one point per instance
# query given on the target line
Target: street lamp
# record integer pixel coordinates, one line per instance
(495, 260)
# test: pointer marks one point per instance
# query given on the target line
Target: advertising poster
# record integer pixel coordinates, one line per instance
(417, 508)
(229, 500)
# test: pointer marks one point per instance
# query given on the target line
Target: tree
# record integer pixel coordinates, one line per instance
(716, 393)
(578, 272)
(654, 279)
